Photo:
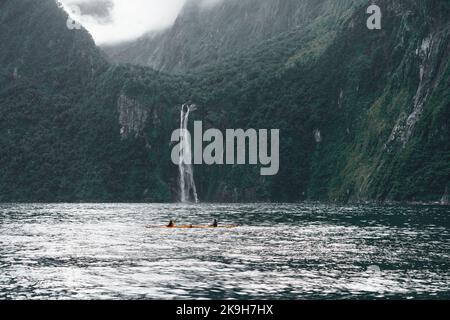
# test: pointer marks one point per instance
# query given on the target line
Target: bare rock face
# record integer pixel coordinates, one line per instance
(132, 116)
(432, 59)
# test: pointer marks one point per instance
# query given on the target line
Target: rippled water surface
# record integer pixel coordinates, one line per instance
(301, 251)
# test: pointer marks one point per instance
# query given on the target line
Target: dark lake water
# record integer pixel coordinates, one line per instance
(280, 251)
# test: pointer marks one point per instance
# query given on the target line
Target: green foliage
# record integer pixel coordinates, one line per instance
(60, 135)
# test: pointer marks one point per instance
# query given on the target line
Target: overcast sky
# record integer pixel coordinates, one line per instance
(111, 21)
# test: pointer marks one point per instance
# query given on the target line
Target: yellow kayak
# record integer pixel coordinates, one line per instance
(192, 227)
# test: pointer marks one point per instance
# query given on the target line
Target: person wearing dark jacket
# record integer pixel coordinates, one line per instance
(171, 224)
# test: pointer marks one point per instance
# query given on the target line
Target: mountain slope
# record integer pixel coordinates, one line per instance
(204, 34)
(60, 106)
(364, 115)
(379, 100)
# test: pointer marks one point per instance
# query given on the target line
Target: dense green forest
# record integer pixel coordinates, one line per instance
(75, 126)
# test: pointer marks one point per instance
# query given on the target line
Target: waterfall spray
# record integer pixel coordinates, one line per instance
(186, 180)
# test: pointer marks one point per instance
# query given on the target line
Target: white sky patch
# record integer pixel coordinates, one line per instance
(128, 19)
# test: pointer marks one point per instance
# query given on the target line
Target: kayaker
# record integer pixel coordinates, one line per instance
(171, 224)
(215, 224)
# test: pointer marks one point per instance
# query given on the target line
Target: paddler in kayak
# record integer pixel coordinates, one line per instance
(215, 224)
(171, 224)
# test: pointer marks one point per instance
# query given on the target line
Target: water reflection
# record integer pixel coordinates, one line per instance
(282, 251)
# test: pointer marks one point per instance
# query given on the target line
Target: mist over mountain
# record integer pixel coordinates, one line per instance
(364, 114)
(113, 21)
(206, 32)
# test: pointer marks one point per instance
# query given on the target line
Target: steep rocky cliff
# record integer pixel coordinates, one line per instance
(73, 127)
(364, 114)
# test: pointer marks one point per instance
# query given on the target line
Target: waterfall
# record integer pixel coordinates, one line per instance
(186, 180)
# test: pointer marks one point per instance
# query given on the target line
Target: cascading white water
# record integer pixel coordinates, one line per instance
(186, 180)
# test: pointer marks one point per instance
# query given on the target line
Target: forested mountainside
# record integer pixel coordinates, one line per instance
(207, 31)
(60, 106)
(364, 114)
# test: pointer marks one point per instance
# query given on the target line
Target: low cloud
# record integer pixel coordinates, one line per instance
(113, 21)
